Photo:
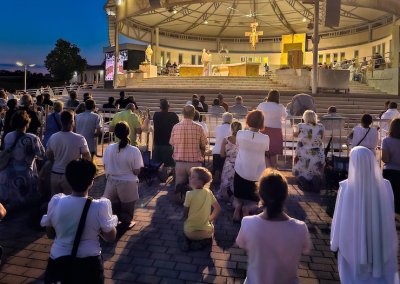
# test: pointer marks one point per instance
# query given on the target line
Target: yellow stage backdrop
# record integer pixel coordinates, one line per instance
(290, 43)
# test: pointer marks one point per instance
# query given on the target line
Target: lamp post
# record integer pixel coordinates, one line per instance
(19, 63)
(116, 52)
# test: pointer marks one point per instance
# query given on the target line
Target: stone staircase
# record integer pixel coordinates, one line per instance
(179, 91)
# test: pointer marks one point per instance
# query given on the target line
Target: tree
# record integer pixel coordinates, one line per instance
(64, 60)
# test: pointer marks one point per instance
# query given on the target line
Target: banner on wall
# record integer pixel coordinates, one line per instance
(123, 56)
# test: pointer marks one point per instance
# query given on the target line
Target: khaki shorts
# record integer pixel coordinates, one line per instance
(59, 184)
(123, 191)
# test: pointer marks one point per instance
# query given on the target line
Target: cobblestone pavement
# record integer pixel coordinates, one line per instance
(149, 253)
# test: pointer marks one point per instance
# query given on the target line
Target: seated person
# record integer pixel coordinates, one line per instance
(216, 108)
(364, 134)
(110, 103)
(198, 227)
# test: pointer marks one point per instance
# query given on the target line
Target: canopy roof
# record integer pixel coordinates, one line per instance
(232, 18)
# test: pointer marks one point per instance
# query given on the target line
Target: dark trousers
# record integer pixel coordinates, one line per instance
(394, 177)
(85, 270)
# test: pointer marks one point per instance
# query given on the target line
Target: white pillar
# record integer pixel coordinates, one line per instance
(157, 51)
(116, 52)
(315, 48)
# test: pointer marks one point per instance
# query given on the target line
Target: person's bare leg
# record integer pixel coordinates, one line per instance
(237, 214)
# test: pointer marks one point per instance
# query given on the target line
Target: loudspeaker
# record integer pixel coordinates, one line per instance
(125, 65)
(331, 13)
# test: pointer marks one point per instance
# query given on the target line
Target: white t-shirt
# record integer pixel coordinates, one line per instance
(389, 114)
(221, 132)
(66, 147)
(370, 141)
(274, 249)
(273, 114)
(64, 213)
(250, 160)
(120, 164)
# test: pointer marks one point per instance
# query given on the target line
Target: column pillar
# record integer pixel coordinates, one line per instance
(156, 53)
(116, 52)
(395, 56)
(315, 48)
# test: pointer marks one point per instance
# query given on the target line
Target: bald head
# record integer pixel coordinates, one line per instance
(188, 111)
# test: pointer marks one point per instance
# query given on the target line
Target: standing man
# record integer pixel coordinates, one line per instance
(89, 125)
(390, 114)
(62, 148)
(189, 143)
(133, 121)
(164, 121)
(26, 103)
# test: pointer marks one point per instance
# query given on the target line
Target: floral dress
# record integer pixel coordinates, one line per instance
(228, 170)
(19, 180)
(310, 158)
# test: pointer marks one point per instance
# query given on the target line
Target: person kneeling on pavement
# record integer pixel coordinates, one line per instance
(198, 227)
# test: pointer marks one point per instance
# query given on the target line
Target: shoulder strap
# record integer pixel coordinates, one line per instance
(363, 137)
(81, 225)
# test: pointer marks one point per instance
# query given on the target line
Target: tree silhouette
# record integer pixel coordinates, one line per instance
(64, 60)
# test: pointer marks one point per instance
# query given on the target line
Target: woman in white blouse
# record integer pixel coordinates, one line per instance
(274, 113)
(364, 134)
(62, 219)
(122, 164)
(250, 163)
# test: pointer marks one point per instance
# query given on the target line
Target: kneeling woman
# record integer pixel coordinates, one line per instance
(274, 241)
(63, 221)
(249, 164)
(122, 163)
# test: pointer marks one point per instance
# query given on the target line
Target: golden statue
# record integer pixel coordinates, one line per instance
(253, 35)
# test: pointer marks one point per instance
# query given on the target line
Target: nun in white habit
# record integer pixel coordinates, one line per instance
(363, 228)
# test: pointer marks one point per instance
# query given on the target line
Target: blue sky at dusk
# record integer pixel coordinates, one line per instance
(30, 29)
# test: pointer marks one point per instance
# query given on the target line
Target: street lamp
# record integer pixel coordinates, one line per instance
(19, 63)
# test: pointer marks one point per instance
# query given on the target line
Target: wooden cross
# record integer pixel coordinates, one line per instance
(253, 35)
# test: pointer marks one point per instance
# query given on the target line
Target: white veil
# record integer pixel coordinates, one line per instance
(363, 227)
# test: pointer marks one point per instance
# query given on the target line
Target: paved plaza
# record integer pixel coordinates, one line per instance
(150, 253)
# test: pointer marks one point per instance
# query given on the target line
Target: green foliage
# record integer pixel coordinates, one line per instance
(64, 60)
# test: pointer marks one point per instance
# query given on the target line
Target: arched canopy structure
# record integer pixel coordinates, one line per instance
(212, 20)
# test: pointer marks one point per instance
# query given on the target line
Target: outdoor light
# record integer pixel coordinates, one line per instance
(206, 22)
(304, 19)
(21, 64)
(175, 11)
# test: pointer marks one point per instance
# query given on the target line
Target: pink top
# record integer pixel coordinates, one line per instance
(274, 249)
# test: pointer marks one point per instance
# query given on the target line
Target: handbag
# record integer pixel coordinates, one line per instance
(70, 269)
(6, 155)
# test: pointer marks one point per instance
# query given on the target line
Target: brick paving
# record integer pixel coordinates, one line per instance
(149, 253)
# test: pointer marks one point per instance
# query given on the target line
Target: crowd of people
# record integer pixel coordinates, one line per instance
(243, 173)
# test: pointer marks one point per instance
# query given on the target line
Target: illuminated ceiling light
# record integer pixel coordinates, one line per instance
(119, 2)
(206, 22)
(174, 11)
(304, 20)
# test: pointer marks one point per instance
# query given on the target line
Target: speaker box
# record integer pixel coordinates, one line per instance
(331, 13)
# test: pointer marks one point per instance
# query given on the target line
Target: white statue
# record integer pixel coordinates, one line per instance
(149, 53)
(206, 58)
